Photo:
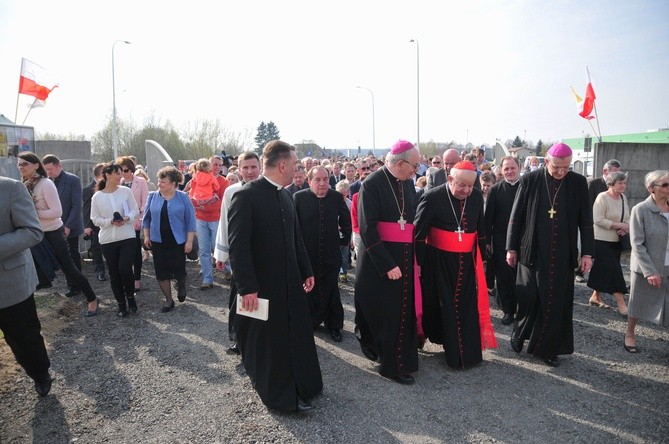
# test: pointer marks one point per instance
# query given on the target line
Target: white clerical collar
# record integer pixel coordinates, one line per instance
(278, 187)
(511, 183)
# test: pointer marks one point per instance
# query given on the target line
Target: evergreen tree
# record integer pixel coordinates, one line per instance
(539, 146)
(517, 143)
(266, 132)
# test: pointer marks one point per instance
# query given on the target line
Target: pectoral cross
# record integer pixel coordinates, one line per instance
(402, 222)
(459, 231)
(552, 212)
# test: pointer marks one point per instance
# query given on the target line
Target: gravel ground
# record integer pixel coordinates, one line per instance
(164, 378)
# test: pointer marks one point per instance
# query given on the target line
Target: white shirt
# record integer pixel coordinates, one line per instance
(103, 206)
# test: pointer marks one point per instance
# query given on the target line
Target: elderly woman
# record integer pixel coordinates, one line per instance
(169, 228)
(610, 215)
(649, 261)
(47, 204)
(140, 190)
(114, 210)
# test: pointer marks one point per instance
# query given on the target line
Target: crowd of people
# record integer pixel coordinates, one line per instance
(432, 240)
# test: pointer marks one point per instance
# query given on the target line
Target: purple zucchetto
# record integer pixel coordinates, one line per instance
(401, 146)
(560, 150)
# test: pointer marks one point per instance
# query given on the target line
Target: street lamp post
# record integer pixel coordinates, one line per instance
(373, 119)
(417, 93)
(114, 130)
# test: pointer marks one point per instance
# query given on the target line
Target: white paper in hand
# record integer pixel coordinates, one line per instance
(261, 313)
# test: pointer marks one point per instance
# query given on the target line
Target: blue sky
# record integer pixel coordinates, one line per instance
(488, 69)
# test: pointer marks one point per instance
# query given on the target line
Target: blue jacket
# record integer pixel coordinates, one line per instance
(179, 210)
(70, 194)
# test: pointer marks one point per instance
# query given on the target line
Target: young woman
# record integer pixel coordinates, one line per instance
(47, 205)
(114, 209)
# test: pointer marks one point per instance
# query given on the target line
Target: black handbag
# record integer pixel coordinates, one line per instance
(193, 255)
(625, 243)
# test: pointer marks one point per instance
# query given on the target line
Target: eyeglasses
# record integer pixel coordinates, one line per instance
(364, 168)
(414, 165)
(23, 164)
(436, 162)
(126, 170)
(662, 185)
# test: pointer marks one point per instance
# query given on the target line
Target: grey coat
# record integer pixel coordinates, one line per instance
(19, 230)
(649, 232)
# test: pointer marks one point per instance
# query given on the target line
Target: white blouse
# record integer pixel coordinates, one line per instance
(103, 206)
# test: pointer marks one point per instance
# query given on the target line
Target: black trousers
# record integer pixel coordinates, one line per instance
(137, 263)
(96, 252)
(120, 256)
(22, 329)
(62, 251)
(73, 246)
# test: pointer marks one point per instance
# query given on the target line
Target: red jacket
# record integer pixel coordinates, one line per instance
(212, 212)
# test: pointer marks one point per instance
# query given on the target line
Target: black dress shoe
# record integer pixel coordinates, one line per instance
(43, 286)
(551, 361)
(516, 342)
(43, 385)
(335, 334)
(369, 353)
(303, 406)
(507, 319)
(101, 277)
(168, 308)
(122, 313)
(403, 379)
(72, 292)
(233, 349)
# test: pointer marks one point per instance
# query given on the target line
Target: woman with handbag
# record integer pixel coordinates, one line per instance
(169, 228)
(610, 215)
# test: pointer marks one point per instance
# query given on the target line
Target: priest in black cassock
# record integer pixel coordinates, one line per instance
(450, 233)
(497, 214)
(322, 213)
(550, 209)
(385, 314)
(269, 260)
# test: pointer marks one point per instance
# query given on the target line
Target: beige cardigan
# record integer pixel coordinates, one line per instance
(605, 212)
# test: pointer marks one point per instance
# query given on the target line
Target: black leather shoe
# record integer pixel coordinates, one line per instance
(43, 385)
(43, 286)
(303, 406)
(403, 379)
(168, 308)
(233, 349)
(369, 353)
(507, 319)
(101, 277)
(551, 361)
(335, 334)
(72, 292)
(516, 342)
(122, 313)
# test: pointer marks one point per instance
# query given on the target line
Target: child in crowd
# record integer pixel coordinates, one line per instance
(204, 185)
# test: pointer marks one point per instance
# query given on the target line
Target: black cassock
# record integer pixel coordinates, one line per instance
(497, 213)
(450, 298)
(385, 311)
(268, 257)
(547, 256)
(320, 221)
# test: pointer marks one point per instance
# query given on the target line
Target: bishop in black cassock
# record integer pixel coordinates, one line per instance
(384, 285)
(321, 219)
(268, 257)
(550, 209)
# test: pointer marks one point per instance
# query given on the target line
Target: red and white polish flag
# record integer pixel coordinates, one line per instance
(35, 81)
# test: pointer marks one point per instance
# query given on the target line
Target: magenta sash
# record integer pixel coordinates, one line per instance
(392, 232)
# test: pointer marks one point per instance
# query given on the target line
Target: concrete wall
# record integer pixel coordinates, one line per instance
(64, 149)
(637, 159)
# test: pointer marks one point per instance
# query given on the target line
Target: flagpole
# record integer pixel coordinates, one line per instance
(28, 113)
(18, 94)
(594, 105)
